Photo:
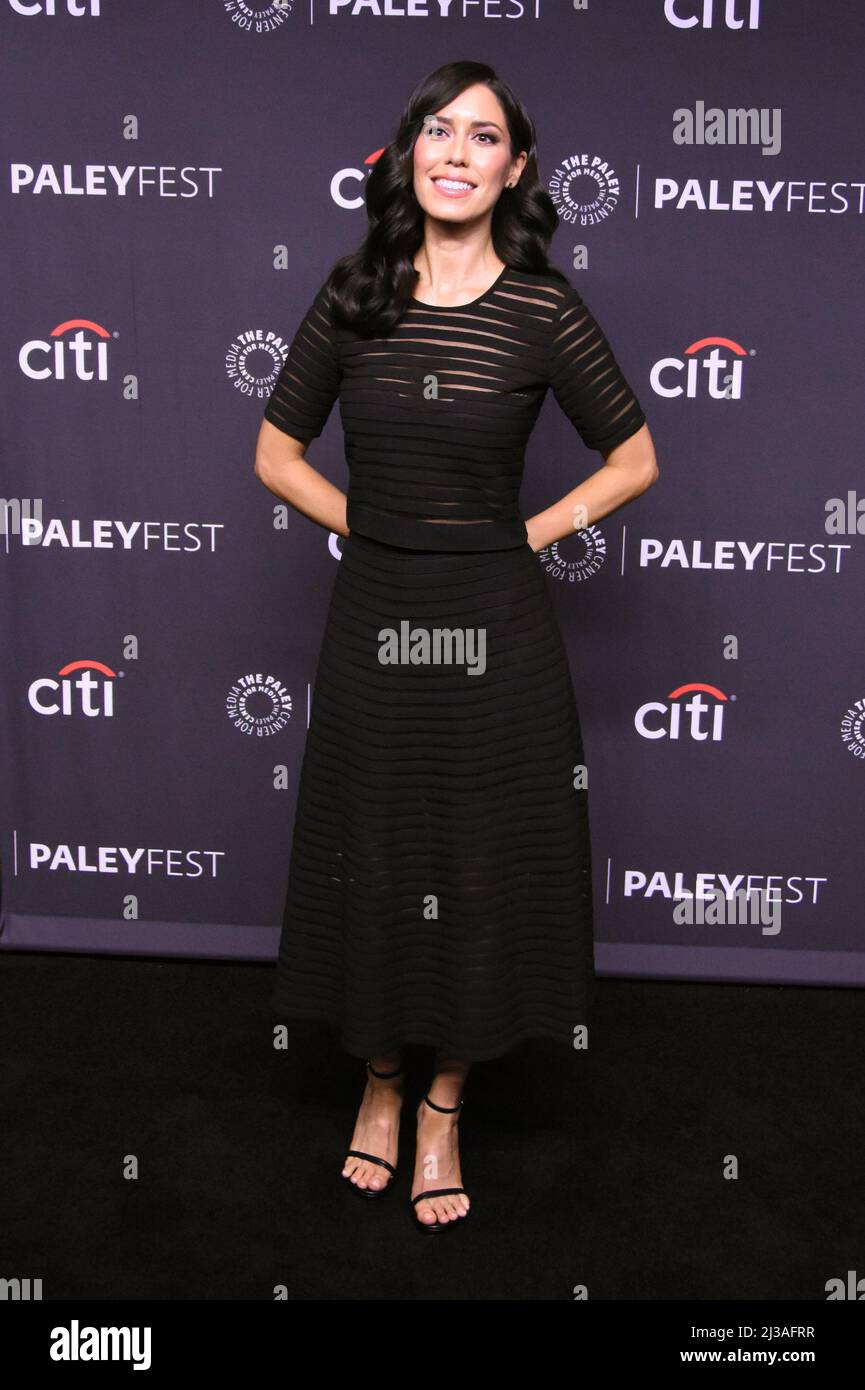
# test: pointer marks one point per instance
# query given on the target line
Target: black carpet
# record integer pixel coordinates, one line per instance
(602, 1169)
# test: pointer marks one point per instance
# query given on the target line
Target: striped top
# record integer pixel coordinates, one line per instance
(437, 415)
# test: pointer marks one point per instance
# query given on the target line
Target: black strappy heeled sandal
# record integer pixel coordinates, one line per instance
(373, 1158)
(439, 1191)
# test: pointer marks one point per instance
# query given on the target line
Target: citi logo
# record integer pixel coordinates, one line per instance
(91, 692)
(77, 348)
(75, 8)
(345, 184)
(732, 14)
(703, 714)
(710, 366)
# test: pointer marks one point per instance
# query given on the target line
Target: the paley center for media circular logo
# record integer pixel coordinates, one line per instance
(258, 705)
(585, 189)
(576, 558)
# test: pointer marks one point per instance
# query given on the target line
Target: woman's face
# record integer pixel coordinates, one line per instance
(464, 143)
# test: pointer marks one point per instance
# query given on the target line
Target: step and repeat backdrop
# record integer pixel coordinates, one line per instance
(180, 175)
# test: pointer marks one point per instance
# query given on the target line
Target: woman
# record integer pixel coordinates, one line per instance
(440, 884)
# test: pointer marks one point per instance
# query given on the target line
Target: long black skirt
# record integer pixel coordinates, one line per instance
(440, 888)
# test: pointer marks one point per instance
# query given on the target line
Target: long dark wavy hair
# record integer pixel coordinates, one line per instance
(372, 287)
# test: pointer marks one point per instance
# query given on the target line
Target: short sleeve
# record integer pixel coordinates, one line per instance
(308, 382)
(586, 378)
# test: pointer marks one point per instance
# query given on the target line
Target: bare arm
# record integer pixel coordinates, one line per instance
(629, 469)
(281, 466)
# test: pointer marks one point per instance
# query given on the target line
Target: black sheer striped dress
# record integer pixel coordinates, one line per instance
(440, 885)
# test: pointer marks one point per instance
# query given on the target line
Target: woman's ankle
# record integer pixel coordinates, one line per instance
(448, 1083)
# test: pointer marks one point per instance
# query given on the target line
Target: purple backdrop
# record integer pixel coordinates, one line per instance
(180, 178)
